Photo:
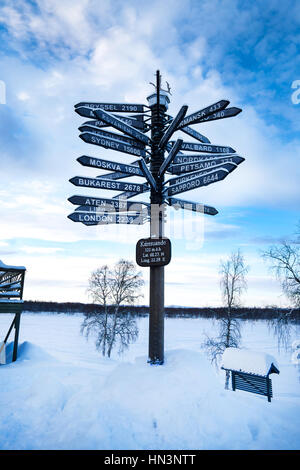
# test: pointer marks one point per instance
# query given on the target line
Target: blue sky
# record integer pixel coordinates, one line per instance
(55, 54)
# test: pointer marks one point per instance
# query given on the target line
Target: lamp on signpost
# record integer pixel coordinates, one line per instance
(158, 103)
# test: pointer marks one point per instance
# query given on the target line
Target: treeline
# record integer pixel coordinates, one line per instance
(247, 313)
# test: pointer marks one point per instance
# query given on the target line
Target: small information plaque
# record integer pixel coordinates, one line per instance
(153, 252)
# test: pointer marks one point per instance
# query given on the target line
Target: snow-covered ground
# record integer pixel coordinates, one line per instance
(62, 394)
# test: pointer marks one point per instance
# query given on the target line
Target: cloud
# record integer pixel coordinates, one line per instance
(58, 53)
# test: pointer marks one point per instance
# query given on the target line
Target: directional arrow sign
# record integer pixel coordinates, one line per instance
(128, 194)
(121, 126)
(206, 148)
(173, 126)
(108, 165)
(229, 166)
(204, 180)
(108, 184)
(117, 175)
(104, 219)
(174, 150)
(184, 159)
(130, 207)
(111, 144)
(191, 206)
(225, 113)
(106, 204)
(137, 123)
(111, 135)
(190, 131)
(203, 164)
(114, 107)
(199, 115)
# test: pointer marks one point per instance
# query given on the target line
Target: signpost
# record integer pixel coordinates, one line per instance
(209, 164)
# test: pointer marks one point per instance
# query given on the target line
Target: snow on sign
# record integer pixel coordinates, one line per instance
(153, 252)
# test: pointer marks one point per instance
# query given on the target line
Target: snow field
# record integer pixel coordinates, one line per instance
(62, 394)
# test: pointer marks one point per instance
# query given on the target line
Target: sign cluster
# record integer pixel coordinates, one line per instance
(123, 127)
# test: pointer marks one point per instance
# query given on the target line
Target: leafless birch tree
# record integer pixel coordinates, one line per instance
(112, 288)
(233, 283)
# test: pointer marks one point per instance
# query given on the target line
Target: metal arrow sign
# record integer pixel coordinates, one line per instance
(184, 159)
(108, 204)
(191, 206)
(111, 144)
(108, 184)
(112, 136)
(199, 115)
(204, 180)
(104, 219)
(190, 131)
(121, 126)
(229, 166)
(203, 164)
(206, 148)
(137, 123)
(173, 126)
(110, 166)
(225, 113)
(129, 207)
(114, 107)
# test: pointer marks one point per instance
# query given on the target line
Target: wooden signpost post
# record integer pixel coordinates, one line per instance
(208, 164)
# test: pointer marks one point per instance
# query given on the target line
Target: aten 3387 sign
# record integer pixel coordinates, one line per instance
(153, 252)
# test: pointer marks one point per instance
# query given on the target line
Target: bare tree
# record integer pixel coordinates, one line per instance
(112, 288)
(233, 283)
(284, 261)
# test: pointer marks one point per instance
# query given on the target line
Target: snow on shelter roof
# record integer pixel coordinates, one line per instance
(6, 266)
(251, 362)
